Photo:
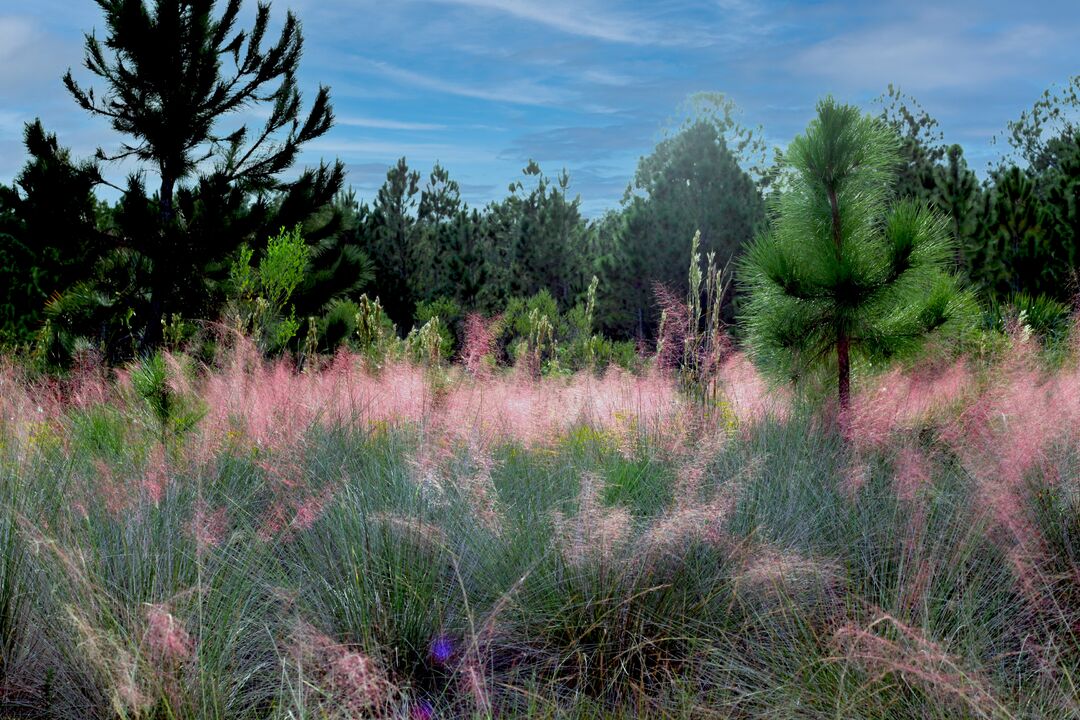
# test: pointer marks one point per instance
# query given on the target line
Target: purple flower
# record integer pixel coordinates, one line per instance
(442, 648)
(422, 711)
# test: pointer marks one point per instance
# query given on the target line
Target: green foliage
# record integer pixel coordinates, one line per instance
(450, 317)
(692, 182)
(1045, 318)
(261, 295)
(839, 271)
(337, 325)
(959, 196)
(174, 413)
(921, 148)
(426, 343)
(1053, 118)
(49, 233)
(169, 104)
(534, 240)
(376, 335)
(703, 343)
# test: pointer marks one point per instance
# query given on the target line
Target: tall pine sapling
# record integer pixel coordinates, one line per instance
(841, 274)
(173, 72)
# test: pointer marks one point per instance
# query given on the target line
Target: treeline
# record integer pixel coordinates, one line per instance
(76, 272)
(1018, 231)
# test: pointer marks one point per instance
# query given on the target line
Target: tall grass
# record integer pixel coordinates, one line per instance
(247, 541)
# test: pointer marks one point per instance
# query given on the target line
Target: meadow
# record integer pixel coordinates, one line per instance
(242, 539)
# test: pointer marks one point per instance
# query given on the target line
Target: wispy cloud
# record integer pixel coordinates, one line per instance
(610, 78)
(385, 123)
(522, 91)
(930, 53)
(29, 59)
(580, 143)
(482, 85)
(11, 124)
(386, 150)
(16, 33)
(577, 18)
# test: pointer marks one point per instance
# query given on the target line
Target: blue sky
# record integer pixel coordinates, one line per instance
(589, 85)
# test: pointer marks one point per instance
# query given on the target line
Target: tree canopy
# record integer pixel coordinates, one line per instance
(841, 273)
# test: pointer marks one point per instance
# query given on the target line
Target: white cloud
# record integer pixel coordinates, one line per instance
(599, 76)
(16, 33)
(932, 53)
(576, 18)
(519, 92)
(386, 150)
(385, 123)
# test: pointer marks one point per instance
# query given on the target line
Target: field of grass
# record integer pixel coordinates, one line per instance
(246, 541)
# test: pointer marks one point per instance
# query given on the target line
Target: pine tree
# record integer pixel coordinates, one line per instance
(393, 239)
(49, 235)
(1060, 186)
(957, 194)
(1013, 254)
(166, 88)
(692, 182)
(840, 274)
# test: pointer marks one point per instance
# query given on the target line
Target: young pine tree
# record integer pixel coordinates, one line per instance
(840, 273)
(175, 78)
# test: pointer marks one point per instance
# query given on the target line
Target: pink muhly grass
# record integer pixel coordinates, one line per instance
(912, 470)
(355, 682)
(272, 406)
(887, 646)
(480, 490)
(440, 466)
(479, 344)
(412, 527)
(274, 522)
(516, 408)
(312, 508)
(106, 490)
(155, 479)
(1006, 434)
(673, 532)
(771, 575)
(750, 396)
(87, 383)
(675, 325)
(913, 593)
(208, 528)
(855, 475)
(596, 533)
(165, 639)
(900, 401)
(475, 686)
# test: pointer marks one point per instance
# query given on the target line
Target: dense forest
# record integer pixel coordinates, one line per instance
(217, 226)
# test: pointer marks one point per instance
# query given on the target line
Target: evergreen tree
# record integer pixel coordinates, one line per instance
(921, 147)
(393, 239)
(167, 90)
(49, 234)
(1061, 214)
(958, 195)
(437, 244)
(534, 240)
(692, 182)
(840, 275)
(1053, 119)
(1012, 254)
(338, 267)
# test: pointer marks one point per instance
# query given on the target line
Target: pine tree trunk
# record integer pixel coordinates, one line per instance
(843, 362)
(843, 342)
(159, 276)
